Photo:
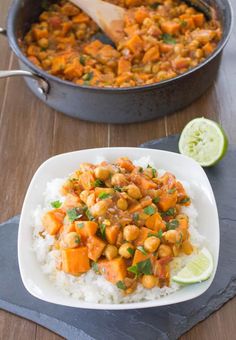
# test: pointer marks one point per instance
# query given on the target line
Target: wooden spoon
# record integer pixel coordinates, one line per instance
(110, 18)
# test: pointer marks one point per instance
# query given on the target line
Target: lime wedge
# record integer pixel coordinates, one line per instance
(203, 140)
(197, 270)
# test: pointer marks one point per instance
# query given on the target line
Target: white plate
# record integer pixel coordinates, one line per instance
(38, 284)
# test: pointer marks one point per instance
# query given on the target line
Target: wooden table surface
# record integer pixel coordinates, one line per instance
(30, 132)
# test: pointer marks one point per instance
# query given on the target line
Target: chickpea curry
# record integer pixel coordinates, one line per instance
(163, 38)
(121, 220)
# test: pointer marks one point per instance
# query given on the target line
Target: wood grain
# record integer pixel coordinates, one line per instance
(30, 132)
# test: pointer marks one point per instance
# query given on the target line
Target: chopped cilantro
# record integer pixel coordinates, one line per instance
(89, 215)
(169, 212)
(131, 251)
(168, 39)
(77, 239)
(98, 183)
(103, 195)
(158, 234)
(88, 76)
(103, 230)
(95, 267)
(141, 248)
(119, 189)
(136, 217)
(143, 267)
(184, 200)
(173, 224)
(82, 60)
(56, 204)
(80, 225)
(73, 214)
(140, 169)
(183, 23)
(121, 285)
(155, 5)
(171, 191)
(156, 200)
(149, 210)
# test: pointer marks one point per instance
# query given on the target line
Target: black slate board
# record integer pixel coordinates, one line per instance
(149, 324)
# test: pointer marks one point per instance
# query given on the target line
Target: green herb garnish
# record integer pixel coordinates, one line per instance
(136, 217)
(88, 76)
(103, 195)
(155, 5)
(95, 267)
(141, 248)
(156, 200)
(168, 39)
(184, 200)
(131, 251)
(80, 225)
(169, 212)
(149, 210)
(140, 169)
(171, 191)
(183, 23)
(98, 183)
(158, 234)
(119, 189)
(143, 267)
(103, 230)
(56, 204)
(77, 240)
(73, 214)
(82, 60)
(173, 224)
(121, 285)
(89, 215)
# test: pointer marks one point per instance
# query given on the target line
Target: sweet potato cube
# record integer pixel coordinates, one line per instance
(114, 270)
(170, 27)
(112, 233)
(124, 65)
(87, 180)
(153, 54)
(75, 261)
(167, 200)
(143, 234)
(53, 220)
(125, 163)
(93, 48)
(80, 19)
(140, 14)
(155, 222)
(139, 256)
(86, 228)
(198, 19)
(135, 44)
(95, 247)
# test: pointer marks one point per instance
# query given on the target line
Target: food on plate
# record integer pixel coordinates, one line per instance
(203, 140)
(115, 231)
(162, 40)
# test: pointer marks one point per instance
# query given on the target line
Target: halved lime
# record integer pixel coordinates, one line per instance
(203, 140)
(197, 270)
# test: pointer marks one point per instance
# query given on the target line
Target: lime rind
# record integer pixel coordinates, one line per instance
(197, 270)
(203, 140)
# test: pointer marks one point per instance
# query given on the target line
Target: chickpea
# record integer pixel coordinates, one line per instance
(149, 281)
(172, 236)
(119, 180)
(123, 250)
(99, 209)
(130, 232)
(122, 204)
(183, 221)
(71, 240)
(110, 252)
(164, 251)
(187, 247)
(134, 192)
(91, 200)
(43, 43)
(151, 244)
(102, 173)
(84, 195)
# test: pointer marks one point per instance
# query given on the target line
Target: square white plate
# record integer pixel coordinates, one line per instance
(186, 169)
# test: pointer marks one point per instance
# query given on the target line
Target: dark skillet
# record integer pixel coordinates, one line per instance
(113, 105)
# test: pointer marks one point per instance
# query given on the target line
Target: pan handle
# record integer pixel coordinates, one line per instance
(43, 85)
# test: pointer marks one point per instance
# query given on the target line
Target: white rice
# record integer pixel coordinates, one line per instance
(91, 287)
